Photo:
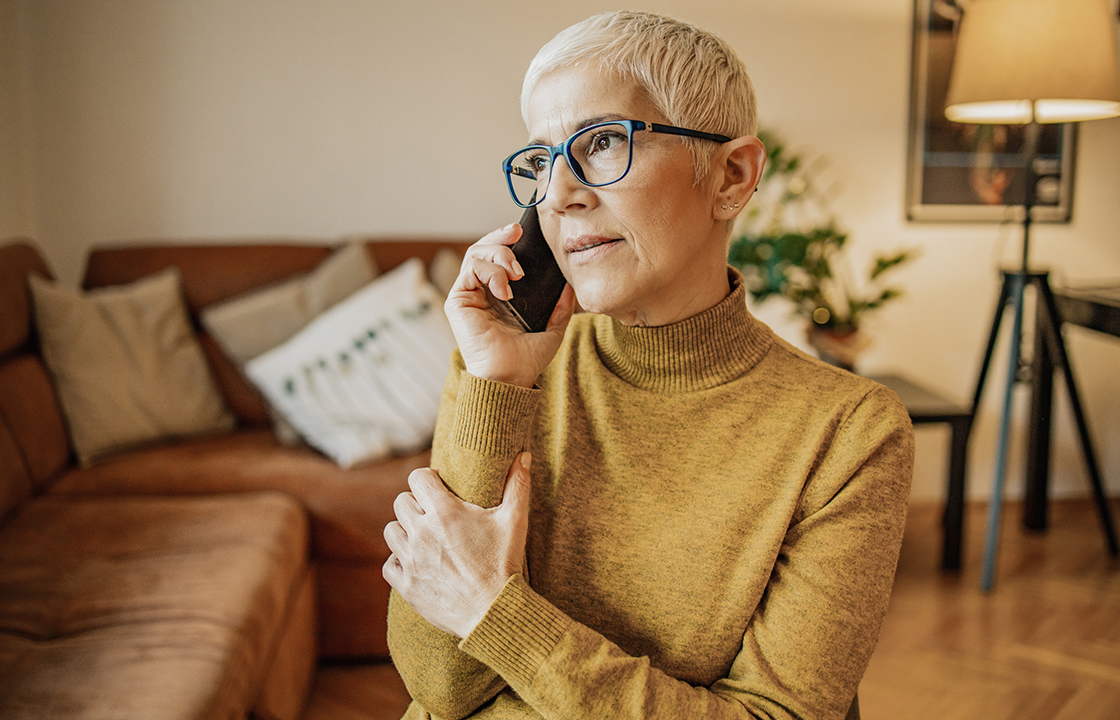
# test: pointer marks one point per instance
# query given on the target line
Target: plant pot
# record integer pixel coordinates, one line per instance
(837, 347)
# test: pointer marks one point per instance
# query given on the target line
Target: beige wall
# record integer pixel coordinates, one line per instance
(205, 119)
(15, 183)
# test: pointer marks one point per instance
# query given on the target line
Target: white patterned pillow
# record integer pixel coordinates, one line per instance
(363, 380)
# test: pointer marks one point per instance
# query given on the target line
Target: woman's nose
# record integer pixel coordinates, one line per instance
(564, 188)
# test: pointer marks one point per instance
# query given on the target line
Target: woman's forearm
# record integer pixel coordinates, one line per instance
(481, 429)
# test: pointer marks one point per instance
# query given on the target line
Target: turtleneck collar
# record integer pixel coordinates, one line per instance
(702, 352)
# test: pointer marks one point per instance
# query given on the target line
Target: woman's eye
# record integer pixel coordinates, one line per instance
(536, 163)
(607, 141)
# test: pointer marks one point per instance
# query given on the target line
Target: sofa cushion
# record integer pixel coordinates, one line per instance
(211, 273)
(18, 259)
(127, 365)
(363, 380)
(29, 408)
(33, 442)
(353, 609)
(15, 483)
(144, 607)
(348, 508)
(348, 511)
(294, 659)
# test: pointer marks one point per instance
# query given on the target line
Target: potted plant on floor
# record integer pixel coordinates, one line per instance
(789, 246)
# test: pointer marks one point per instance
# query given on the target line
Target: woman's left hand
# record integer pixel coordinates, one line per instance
(450, 558)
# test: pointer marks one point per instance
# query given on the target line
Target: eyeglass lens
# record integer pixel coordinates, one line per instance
(598, 155)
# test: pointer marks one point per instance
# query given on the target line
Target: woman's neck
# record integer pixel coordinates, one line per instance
(700, 352)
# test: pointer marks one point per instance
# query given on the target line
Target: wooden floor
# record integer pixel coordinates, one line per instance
(357, 692)
(1044, 644)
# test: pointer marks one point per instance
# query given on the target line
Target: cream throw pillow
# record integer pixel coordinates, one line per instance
(363, 380)
(252, 323)
(126, 364)
(259, 320)
(444, 270)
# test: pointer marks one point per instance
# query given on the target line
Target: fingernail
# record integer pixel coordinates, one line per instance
(517, 268)
(526, 460)
(510, 226)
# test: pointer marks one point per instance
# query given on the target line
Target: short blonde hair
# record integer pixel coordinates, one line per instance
(693, 77)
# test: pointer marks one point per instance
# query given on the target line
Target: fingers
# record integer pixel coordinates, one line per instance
(491, 263)
(408, 510)
(518, 484)
(429, 492)
(397, 540)
(515, 511)
(405, 508)
(395, 537)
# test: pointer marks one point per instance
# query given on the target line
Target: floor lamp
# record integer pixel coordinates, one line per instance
(1029, 62)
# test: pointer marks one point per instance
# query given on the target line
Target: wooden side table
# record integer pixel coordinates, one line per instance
(1096, 308)
(926, 406)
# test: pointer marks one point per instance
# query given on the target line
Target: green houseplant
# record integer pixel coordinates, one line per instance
(789, 246)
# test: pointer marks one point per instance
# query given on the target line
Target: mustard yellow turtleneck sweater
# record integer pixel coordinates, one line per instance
(715, 523)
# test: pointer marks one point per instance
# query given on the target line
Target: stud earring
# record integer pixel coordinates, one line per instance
(723, 207)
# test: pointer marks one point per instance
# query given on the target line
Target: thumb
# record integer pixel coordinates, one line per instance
(562, 313)
(518, 484)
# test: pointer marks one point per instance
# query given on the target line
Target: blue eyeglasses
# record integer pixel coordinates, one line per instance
(598, 155)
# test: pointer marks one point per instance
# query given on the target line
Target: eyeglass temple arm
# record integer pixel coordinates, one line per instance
(672, 130)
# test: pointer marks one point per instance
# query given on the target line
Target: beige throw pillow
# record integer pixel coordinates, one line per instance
(253, 323)
(126, 364)
(444, 270)
(257, 321)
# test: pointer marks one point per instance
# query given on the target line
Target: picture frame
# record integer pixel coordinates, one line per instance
(961, 172)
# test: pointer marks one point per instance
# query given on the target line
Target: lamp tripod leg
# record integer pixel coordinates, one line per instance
(995, 504)
(955, 515)
(1001, 305)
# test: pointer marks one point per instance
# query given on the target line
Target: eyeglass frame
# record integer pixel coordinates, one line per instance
(565, 149)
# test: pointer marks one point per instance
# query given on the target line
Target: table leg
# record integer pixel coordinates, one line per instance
(953, 522)
(1036, 493)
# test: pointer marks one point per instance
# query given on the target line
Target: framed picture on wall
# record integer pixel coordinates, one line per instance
(973, 173)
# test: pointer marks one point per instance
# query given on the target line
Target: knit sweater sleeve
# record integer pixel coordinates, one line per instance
(480, 430)
(809, 642)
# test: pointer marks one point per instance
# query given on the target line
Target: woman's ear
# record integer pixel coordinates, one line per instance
(738, 165)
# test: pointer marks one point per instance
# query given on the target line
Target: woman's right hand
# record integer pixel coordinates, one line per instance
(492, 348)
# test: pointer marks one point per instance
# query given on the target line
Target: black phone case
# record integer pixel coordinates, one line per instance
(535, 295)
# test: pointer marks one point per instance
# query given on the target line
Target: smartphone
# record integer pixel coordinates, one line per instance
(535, 295)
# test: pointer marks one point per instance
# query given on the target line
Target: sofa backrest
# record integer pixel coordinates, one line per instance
(212, 273)
(34, 445)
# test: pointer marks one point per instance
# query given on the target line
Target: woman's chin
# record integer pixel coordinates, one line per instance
(587, 299)
(600, 300)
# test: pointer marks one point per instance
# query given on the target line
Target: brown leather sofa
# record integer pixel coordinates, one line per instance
(197, 578)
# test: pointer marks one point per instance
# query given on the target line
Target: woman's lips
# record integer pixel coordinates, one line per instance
(588, 247)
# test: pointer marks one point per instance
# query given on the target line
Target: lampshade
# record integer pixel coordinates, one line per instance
(1055, 57)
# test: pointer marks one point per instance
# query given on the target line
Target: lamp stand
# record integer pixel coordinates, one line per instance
(1050, 323)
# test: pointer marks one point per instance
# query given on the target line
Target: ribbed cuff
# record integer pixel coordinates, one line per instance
(489, 414)
(517, 634)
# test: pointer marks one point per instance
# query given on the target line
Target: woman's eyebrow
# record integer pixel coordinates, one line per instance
(587, 122)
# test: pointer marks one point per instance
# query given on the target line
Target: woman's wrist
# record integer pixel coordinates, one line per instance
(517, 379)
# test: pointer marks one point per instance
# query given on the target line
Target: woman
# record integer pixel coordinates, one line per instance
(712, 519)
